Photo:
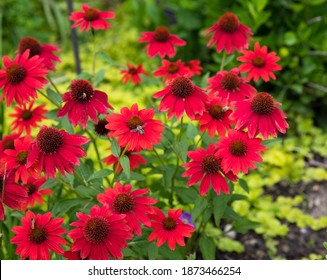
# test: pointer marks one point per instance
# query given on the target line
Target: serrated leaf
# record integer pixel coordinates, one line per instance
(50, 183)
(54, 96)
(99, 77)
(86, 191)
(242, 226)
(244, 185)
(229, 213)
(187, 195)
(200, 204)
(153, 251)
(124, 161)
(62, 207)
(191, 131)
(100, 174)
(219, 205)
(115, 148)
(270, 142)
(181, 148)
(208, 248)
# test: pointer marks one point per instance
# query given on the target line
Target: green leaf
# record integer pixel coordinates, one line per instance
(124, 161)
(187, 195)
(244, 185)
(100, 174)
(200, 204)
(54, 96)
(181, 148)
(191, 131)
(115, 148)
(232, 215)
(270, 142)
(49, 184)
(325, 244)
(99, 77)
(62, 207)
(242, 226)
(219, 205)
(153, 251)
(208, 248)
(86, 191)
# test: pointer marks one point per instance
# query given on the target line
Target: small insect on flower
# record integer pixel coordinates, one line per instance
(138, 129)
(33, 223)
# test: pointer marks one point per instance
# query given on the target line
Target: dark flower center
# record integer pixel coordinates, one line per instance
(134, 122)
(9, 145)
(228, 22)
(91, 14)
(49, 140)
(37, 235)
(100, 127)
(169, 223)
(216, 112)
(31, 189)
(132, 70)
(15, 73)
(96, 229)
(123, 203)
(258, 62)
(230, 82)
(27, 115)
(182, 87)
(173, 68)
(238, 148)
(210, 164)
(263, 104)
(1, 185)
(188, 64)
(161, 34)
(29, 43)
(22, 157)
(81, 91)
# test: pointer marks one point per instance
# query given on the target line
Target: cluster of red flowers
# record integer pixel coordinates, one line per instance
(229, 108)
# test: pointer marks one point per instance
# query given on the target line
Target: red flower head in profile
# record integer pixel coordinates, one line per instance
(26, 117)
(21, 77)
(56, 149)
(82, 101)
(193, 68)
(100, 234)
(216, 118)
(11, 193)
(133, 73)
(100, 128)
(135, 128)
(182, 95)
(161, 42)
(229, 34)
(7, 143)
(259, 63)
(170, 229)
(91, 18)
(134, 160)
(238, 152)
(44, 51)
(229, 87)
(170, 70)
(206, 167)
(260, 114)
(133, 204)
(16, 160)
(37, 235)
(34, 193)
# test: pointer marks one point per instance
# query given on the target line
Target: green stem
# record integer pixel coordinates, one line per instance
(158, 156)
(94, 53)
(53, 85)
(197, 143)
(180, 130)
(117, 166)
(223, 61)
(44, 95)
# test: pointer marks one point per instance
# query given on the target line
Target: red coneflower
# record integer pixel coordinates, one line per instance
(27, 117)
(82, 101)
(21, 77)
(182, 95)
(100, 234)
(170, 229)
(91, 18)
(7, 143)
(161, 42)
(16, 159)
(133, 73)
(229, 34)
(170, 70)
(260, 114)
(100, 127)
(238, 152)
(133, 204)
(193, 67)
(216, 118)
(44, 51)
(12, 193)
(135, 160)
(135, 128)
(259, 63)
(34, 193)
(37, 235)
(56, 149)
(229, 87)
(206, 167)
